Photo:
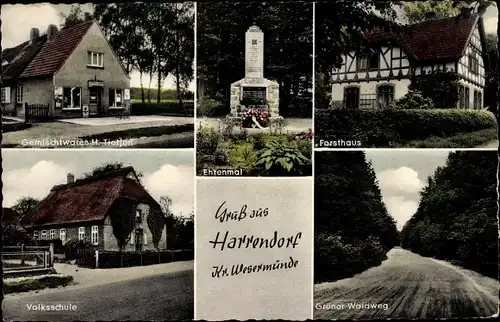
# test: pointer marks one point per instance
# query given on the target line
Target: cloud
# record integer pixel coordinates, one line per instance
(176, 182)
(33, 182)
(17, 21)
(400, 192)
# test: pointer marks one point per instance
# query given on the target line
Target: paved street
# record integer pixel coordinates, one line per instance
(168, 296)
(408, 286)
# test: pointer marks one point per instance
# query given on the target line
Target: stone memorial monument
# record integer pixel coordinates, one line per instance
(254, 91)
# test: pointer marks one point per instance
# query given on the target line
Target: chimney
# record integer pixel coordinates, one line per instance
(71, 178)
(430, 15)
(51, 31)
(34, 34)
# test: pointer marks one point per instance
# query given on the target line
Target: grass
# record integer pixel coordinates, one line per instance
(140, 132)
(37, 283)
(472, 139)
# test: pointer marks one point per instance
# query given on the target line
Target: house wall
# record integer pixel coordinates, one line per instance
(75, 72)
(72, 231)
(110, 242)
(400, 88)
(36, 90)
(393, 64)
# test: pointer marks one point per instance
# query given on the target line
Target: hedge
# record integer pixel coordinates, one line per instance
(385, 127)
(166, 108)
(37, 283)
(111, 259)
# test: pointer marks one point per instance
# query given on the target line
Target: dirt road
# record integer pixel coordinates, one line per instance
(408, 286)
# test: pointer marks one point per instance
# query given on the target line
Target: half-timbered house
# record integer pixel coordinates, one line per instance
(375, 76)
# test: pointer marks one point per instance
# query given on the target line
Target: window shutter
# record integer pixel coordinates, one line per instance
(132, 238)
(7, 95)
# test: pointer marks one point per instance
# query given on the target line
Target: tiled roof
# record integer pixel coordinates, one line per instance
(87, 199)
(432, 39)
(20, 56)
(10, 217)
(56, 50)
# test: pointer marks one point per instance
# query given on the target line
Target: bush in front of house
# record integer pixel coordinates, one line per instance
(414, 100)
(113, 259)
(387, 127)
(72, 245)
(165, 108)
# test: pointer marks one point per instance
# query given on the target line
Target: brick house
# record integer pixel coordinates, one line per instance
(83, 210)
(74, 71)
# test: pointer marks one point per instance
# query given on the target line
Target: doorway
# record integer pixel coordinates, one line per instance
(95, 101)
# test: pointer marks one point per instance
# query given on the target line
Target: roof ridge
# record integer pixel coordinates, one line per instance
(122, 172)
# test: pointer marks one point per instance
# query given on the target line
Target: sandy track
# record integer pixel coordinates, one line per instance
(408, 286)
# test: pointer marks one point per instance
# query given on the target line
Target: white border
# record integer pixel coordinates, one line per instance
(194, 153)
(313, 149)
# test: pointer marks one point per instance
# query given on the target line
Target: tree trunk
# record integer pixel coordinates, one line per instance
(158, 93)
(149, 87)
(142, 87)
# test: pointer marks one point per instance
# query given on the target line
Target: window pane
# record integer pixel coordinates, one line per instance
(66, 97)
(118, 97)
(76, 96)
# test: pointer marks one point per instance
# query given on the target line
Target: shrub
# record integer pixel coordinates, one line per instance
(336, 259)
(281, 157)
(166, 108)
(210, 107)
(243, 156)
(31, 284)
(414, 100)
(441, 86)
(379, 128)
(72, 246)
(207, 140)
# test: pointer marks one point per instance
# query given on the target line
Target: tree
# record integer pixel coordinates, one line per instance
(122, 216)
(457, 215)
(24, 205)
(340, 26)
(183, 46)
(287, 49)
(353, 229)
(415, 12)
(491, 73)
(75, 16)
(156, 223)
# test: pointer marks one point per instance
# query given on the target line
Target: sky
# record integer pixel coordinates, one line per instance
(402, 175)
(17, 21)
(32, 172)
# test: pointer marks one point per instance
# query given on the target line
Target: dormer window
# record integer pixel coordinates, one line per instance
(95, 59)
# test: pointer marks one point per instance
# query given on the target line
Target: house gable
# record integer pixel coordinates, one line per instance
(471, 66)
(77, 68)
(391, 62)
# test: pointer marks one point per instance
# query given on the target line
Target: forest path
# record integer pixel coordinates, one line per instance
(408, 286)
